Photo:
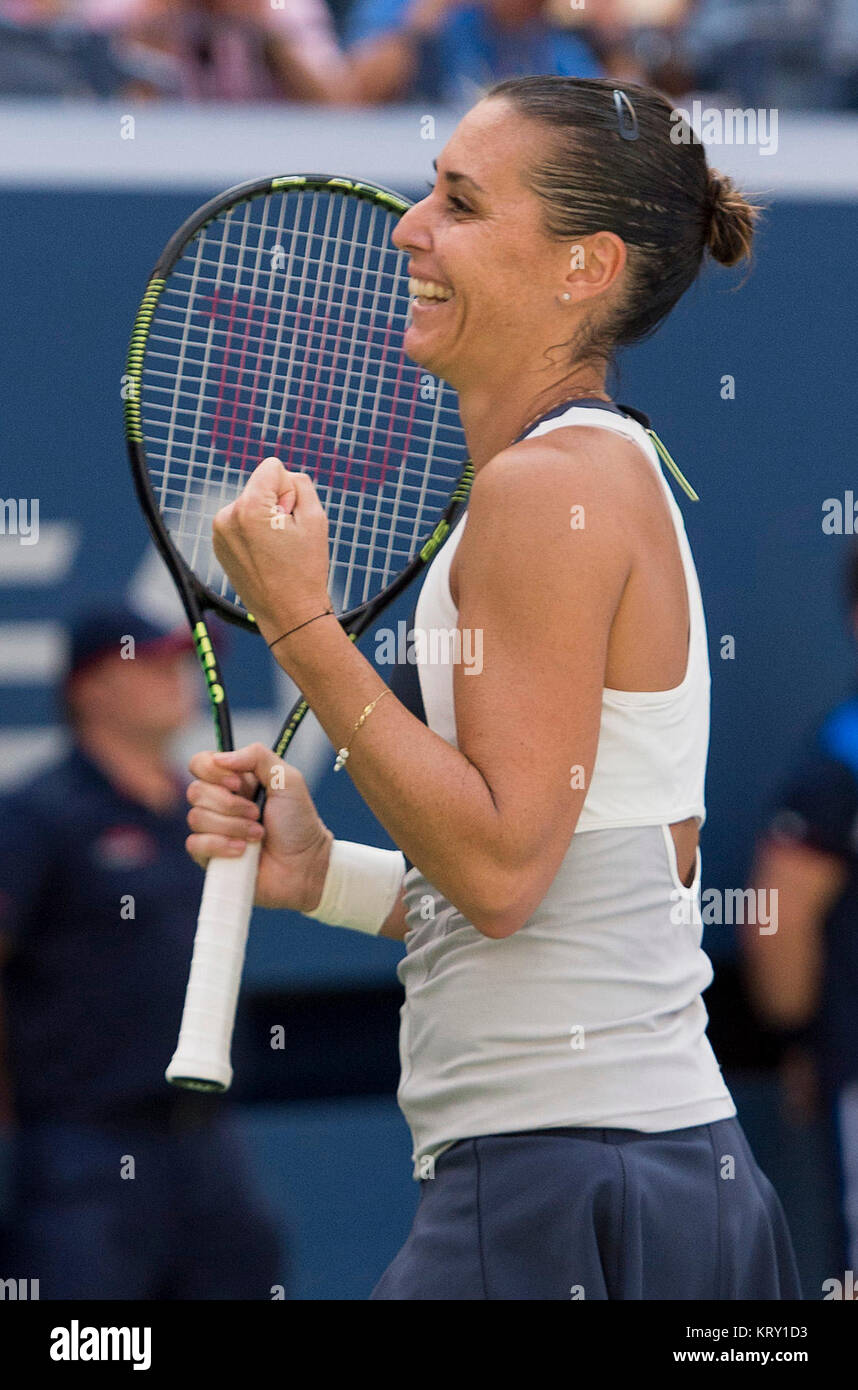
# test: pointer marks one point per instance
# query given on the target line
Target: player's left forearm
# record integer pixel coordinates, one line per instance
(434, 803)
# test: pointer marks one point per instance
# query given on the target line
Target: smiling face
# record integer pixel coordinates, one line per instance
(486, 276)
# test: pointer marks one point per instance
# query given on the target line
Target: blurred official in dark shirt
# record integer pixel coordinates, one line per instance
(804, 975)
(122, 1187)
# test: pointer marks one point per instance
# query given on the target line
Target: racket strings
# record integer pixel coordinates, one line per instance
(171, 409)
(280, 331)
(385, 257)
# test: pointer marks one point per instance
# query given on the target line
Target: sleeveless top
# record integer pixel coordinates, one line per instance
(591, 1013)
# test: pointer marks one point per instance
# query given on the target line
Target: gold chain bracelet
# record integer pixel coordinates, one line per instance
(343, 753)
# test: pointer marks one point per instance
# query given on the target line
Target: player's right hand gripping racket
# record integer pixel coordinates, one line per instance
(273, 324)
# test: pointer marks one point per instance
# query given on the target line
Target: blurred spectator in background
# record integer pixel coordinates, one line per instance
(637, 40)
(444, 50)
(764, 53)
(48, 49)
(122, 1187)
(244, 50)
(751, 53)
(803, 977)
(201, 50)
(841, 46)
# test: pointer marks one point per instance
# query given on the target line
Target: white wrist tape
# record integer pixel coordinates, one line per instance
(361, 887)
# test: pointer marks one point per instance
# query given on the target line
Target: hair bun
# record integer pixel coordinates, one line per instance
(731, 220)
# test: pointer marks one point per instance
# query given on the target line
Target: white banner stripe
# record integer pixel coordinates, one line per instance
(48, 561)
(55, 144)
(31, 653)
(24, 751)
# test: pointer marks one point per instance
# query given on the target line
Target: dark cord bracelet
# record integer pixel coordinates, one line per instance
(326, 613)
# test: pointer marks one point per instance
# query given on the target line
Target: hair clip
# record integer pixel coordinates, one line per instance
(627, 121)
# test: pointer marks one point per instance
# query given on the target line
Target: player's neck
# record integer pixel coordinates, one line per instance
(138, 766)
(494, 417)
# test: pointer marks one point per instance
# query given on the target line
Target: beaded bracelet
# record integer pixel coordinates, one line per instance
(343, 753)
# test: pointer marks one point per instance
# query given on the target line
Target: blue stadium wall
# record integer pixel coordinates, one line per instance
(763, 457)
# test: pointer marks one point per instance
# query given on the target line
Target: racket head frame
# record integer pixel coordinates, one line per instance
(198, 598)
(185, 579)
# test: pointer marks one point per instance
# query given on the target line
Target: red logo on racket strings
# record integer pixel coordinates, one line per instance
(307, 446)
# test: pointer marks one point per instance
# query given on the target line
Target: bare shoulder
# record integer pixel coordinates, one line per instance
(589, 480)
(528, 502)
(598, 465)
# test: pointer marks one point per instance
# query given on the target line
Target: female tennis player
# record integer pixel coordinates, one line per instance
(572, 1131)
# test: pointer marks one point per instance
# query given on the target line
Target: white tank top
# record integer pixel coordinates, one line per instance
(590, 1014)
(651, 758)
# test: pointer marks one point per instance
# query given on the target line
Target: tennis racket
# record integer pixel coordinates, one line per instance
(273, 324)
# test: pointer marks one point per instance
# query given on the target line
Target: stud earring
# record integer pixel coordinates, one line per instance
(566, 296)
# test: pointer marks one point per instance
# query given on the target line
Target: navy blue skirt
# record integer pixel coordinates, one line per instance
(597, 1214)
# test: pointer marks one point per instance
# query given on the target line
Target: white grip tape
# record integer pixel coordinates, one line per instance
(205, 1036)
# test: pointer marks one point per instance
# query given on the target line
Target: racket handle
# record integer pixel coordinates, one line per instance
(201, 1060)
